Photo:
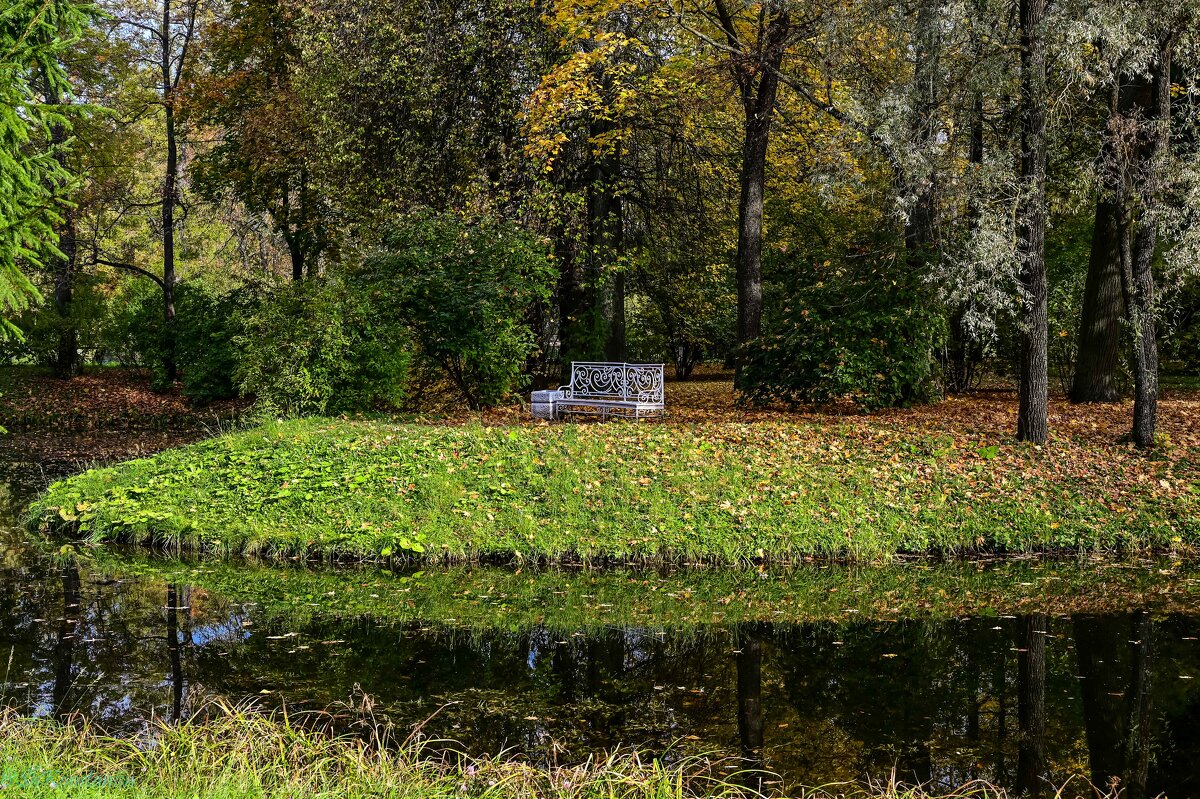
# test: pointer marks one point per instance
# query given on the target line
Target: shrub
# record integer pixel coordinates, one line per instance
(41, 325)
(132, 330)
(868, 340)
(463, 290)
(322, 347)
(207, 322)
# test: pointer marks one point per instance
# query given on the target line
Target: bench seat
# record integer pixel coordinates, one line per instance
(627, 390)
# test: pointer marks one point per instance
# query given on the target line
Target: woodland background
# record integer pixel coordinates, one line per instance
(337, 206)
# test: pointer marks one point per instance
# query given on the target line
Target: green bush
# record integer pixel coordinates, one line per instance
(41, 325)
(132, 330)
(322, 347)
(866, 339)
(463, 290)
(207, 322)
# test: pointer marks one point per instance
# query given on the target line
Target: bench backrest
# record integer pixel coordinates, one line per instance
(635, 382)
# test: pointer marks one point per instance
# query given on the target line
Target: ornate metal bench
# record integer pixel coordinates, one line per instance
(630, 390)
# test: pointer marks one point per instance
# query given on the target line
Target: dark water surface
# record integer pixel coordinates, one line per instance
(1110, 694)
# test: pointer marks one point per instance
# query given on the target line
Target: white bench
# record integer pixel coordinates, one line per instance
(630, 390)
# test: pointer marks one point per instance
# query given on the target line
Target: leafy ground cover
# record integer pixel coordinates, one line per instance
(231, 753)
(714, 485)
(106, 415)
(103, 398)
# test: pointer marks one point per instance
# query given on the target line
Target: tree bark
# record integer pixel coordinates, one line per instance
(920, 226)
(67, 363)
(1033, 411)
(616, 349)
(170, 197)
(1099, 352)
(750, 228)
(297, 254)
(1138, 267)
(758, 84)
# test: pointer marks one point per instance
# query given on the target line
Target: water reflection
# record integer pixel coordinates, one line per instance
(1024, 701)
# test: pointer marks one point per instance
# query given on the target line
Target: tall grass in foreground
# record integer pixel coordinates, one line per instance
(238, 753)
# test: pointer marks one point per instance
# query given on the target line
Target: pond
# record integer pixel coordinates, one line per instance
(1104, 682)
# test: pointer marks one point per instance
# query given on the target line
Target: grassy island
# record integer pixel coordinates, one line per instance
(724, 490)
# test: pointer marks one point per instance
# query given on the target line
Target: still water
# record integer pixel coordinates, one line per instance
(1112, 693)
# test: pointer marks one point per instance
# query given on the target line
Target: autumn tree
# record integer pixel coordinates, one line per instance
(755, 39)
(264, 154)
(162, 35)
(1033, 380)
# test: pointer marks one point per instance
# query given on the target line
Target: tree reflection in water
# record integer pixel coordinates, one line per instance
(1017, 701)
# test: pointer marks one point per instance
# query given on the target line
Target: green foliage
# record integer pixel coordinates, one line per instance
(264, 156)
(720, 492)
(1182, 346)
(223, 752)
(41, 326)
(464, 291)
(569, 601)
(866, 339)
(131, 333)
(1067, 247)
(208, 321)
(686, 314)
(34, 34)
(322, 347)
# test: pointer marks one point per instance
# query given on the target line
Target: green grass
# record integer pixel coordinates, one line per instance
(713, 493)
(240, 754)
(235, 753)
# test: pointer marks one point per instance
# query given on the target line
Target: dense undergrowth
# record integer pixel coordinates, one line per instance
(720, 492)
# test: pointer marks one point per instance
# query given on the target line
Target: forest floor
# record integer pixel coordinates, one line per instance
(714, 483)
(106, 415)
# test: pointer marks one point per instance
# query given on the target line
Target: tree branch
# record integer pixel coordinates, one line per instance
(130, 268)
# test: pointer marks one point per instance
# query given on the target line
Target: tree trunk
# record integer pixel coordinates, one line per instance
(297, 254)
(920, 226)
(759, 91)
(170, 197)
(67, 363)
(1139, 275)
(1145, 344)
(1100, 322)
(616, 349)
(1031, 704)
(1033, 411)
(750, 230)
